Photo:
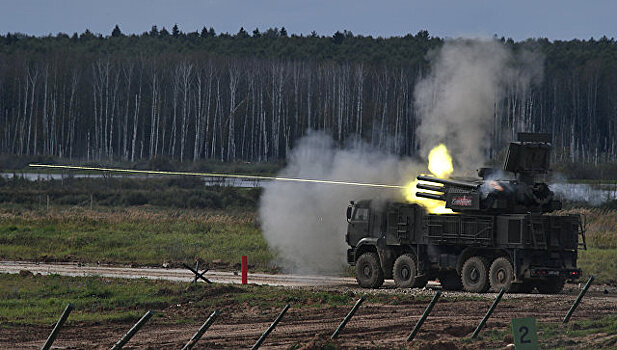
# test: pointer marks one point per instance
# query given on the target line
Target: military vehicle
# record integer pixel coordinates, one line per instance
(501, 234)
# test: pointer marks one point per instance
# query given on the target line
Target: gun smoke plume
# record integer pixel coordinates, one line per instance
(457, 101)
(582, 193)
(305, 223)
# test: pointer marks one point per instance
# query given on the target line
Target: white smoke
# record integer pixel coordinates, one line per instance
(305, 223)
(457, 101)
(583, 193)
(576, 192)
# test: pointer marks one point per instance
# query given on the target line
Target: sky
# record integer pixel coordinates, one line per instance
(519, 19)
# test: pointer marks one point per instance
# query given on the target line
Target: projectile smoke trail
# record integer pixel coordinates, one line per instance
(235, 176)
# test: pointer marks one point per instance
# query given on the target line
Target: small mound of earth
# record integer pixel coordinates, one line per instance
(25, 273)
(439, 345)
(459, 331)
(320, 341)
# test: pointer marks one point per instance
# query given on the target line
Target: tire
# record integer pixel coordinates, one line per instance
(368, 271)
(474, 275)
(551, 285)
(405, 272)
(450, 280)
(501, 274)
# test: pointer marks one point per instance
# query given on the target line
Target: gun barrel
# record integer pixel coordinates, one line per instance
(436, 197)
(455, 183)
(430, 187)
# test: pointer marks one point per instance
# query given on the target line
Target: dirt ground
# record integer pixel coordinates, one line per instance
(374, 326)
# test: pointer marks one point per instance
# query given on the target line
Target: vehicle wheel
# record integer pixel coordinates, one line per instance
(501, 274)
(450, 280)
(551, 285)
(368, 271)
(405, 272)
(524, 287)
(474, 275)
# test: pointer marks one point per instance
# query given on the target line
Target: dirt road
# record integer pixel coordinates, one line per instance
(171, 274)
(283, 280)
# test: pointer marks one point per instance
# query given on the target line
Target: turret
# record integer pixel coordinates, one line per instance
(526, 158)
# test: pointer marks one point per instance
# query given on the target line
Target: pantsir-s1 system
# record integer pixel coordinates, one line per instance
(501, 234)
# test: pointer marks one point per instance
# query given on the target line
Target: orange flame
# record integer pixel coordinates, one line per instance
(440, 165)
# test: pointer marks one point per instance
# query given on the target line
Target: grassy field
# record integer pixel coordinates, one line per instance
(556, 336)
(142, 236)
(34, 300)
(600, 258)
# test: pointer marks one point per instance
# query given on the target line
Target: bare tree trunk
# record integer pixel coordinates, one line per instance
(153, 113)
(114, 109)
(33, 79)
(135, 123)
(198, 118)
(186, 70)
(231, 132)
(128, 77)
(360, 90)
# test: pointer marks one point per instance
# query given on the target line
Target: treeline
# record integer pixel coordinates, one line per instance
(250, 96)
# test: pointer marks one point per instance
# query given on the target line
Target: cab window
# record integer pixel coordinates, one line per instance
(360, 214)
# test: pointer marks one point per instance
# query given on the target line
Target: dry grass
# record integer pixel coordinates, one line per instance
(601, 227)
(143, 236)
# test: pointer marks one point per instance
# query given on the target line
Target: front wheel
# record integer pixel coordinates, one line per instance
(474, 275)
(368, 271)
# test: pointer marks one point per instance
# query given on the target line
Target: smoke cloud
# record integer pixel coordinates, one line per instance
(583, 193)
(578, 192)
(457, 101)
(305, 223)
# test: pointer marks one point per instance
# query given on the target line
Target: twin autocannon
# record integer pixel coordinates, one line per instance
(500, 237)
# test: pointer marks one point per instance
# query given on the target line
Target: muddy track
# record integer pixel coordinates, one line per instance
(170, 274)
(320, 282)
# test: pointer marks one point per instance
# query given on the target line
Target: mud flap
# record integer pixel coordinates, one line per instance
(386, 257)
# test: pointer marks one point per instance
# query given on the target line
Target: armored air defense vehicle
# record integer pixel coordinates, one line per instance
(500, 235)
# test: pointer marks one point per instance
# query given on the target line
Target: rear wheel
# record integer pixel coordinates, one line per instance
(474, 275)
(405, 272)
(450, 280)
(368, 271)
(501, 274)
(551, 285)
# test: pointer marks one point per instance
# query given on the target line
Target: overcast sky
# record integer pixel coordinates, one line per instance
(519, 19)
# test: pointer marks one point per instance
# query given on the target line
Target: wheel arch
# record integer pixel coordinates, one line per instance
(365, 245)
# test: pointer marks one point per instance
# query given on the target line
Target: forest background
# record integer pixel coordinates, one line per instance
(169, 99)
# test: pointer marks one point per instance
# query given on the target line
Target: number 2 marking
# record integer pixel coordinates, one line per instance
(524, 330)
